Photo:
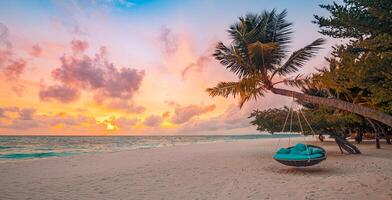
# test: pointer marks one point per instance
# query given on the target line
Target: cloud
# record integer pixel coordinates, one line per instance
(36, 50)
(5, 55)
(98, 74)
(153, 121)
(11, 66)
(184, 114)
(201, 62)
(124, 105)
(83, 17)
(232, 118)
(5, 46)
(78, 46)
(61, 93)
(168, 40)
(66, 120)
(14, 69)
(199, 65)
(26, 118)
(165, 115)
(4, 42)
(6, 110)
(20, 118)
(111, 86)
(125, 123)
(26, 114)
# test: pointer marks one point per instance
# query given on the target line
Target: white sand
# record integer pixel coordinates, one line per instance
(227, 170)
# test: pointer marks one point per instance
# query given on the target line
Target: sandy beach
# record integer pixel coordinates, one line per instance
(223, 170)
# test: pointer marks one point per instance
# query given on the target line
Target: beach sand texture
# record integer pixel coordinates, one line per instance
(225, 170)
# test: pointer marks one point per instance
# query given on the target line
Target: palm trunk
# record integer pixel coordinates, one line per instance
(339, 104)
(376, 134)
(359, 136)
(343, 143)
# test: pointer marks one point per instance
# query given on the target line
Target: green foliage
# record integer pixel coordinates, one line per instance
(270, 120)
(357, 19)
(322, 120)
(360, 71)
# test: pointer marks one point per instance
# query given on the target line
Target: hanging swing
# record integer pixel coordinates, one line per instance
(299, 155)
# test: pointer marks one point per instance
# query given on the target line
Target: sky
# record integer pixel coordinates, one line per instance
(129, 67)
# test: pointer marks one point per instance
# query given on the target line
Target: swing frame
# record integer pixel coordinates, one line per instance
(309, 161)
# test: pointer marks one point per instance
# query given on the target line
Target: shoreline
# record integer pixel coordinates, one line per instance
(54, 153)
(219, 170)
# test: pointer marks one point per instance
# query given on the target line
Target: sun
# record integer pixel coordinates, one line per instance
(111, 127)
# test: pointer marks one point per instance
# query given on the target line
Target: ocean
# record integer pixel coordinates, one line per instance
(38, 147)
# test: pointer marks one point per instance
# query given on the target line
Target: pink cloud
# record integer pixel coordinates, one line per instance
(201, 62)
(82, 73)
(61, 93)
(14, 69)
(153, 120)
(78, 46)
(36, 50)
(26, 114)
(26, 119)
(199, 65)
(5, 55)
(112, 86)
(11, 66)
(184, 114)
(4, 111)
(4, 42)
(168, 40)
(125, 123)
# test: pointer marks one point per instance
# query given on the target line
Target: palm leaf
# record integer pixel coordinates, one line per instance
(234, 60)
(246, 88)
(299, 57)
(298, 81)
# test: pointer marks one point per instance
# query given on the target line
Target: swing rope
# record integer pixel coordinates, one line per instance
(306, 120)
(285, 122)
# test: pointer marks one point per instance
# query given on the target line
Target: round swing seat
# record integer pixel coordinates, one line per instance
(301, 160)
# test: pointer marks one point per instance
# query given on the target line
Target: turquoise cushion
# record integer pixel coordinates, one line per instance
(306, 152)
(283, 151)
(300, 146)
(296, 157)
(295, 151)
(317, 151)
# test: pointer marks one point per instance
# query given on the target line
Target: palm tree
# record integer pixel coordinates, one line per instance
(257, 55)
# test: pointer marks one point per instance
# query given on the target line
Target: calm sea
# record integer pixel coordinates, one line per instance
(36, 147)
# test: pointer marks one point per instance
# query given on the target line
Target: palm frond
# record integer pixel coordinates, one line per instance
(298, 81)
(299, 57)
(252, 93)
(233, 59)
(261, 54)
(246, 88)
(224, 89)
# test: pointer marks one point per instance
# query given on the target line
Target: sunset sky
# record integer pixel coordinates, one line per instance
(114, 67)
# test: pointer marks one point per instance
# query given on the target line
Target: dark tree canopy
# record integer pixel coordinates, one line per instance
(356, 19)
